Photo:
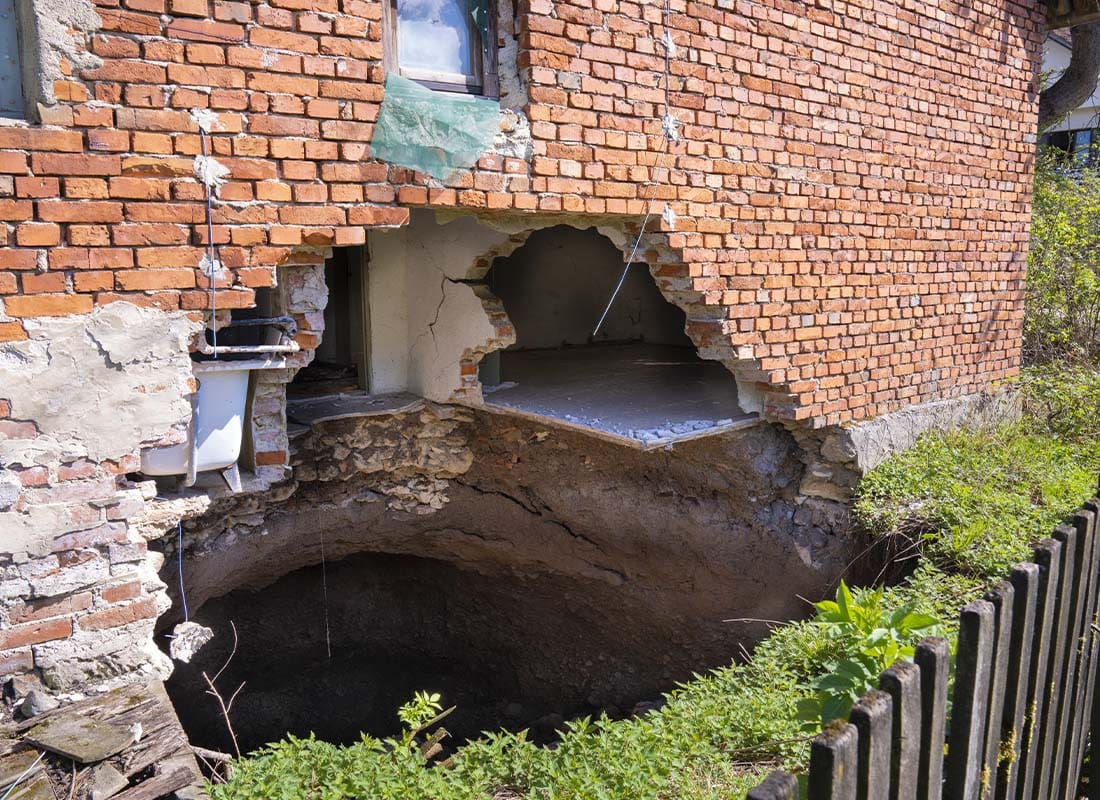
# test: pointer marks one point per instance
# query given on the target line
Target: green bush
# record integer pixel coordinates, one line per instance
(871, 638)
(1062, 322)
(1062, 400)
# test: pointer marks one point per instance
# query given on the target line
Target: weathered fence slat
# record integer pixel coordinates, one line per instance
(1091, 636)
(1052, 735)
(834, 757)
(1048, 556)
(902, 682)
(1066, 741)
(872, 717)
(970, 707)
(779, 785)
(1092, 697)
(1001, 596)
(1072, 689)
(933, 656)
(1084, 523)
(1025, 711)
(1025, 584)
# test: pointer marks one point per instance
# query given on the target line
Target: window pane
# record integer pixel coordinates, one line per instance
(11, 78)
(441, 37)
(1082, 141)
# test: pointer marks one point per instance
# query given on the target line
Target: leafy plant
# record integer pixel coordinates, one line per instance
(1063, 400)
(871, 638)
(1062, 320)
(419, 711)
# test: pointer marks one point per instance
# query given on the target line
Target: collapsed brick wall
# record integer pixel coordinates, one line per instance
(852, 188)
(851, 198)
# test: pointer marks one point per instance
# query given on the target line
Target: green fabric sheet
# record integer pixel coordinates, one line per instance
(440, 133)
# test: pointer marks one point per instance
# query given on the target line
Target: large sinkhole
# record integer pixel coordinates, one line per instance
(508, 651)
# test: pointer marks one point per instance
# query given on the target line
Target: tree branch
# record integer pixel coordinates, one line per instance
(1078, 81)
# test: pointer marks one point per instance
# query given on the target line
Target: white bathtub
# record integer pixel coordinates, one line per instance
(217, 425)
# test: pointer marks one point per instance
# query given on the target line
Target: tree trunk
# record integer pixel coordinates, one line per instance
(1079, 79)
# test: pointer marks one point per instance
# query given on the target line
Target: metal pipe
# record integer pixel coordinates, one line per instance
(193, 441)
(290, 347)
(286, 324)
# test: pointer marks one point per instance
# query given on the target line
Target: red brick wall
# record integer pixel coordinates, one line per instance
(853, 185)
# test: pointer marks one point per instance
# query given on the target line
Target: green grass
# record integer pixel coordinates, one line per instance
(971, 502)
(975, 502)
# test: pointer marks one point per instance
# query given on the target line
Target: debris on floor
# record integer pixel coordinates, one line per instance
(126, 745)
(643, 395)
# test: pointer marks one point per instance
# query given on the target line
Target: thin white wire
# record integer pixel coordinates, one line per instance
(652, 183)
(179, 563)
(210, 252)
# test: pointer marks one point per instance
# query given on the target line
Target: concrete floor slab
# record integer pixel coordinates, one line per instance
(638, 394)
(358, 403)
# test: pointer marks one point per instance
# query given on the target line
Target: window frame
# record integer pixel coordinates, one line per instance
(21, 73)
(487, 59)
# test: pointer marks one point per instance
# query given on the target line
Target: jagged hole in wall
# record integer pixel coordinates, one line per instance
(508, 651)
(638, 377)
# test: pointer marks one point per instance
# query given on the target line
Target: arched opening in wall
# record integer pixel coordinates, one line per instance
(503, 648)
(637, 379)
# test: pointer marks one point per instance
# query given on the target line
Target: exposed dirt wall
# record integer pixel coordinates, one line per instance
(587, 548)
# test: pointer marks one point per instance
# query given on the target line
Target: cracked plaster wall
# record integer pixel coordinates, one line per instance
(423, 318)
(91, 389)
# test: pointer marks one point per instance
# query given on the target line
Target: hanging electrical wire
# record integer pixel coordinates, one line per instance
(211, 265)
(179, 569)
(670, 133)
(212, 175)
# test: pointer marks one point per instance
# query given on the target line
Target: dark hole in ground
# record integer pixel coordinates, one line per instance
(508, 651)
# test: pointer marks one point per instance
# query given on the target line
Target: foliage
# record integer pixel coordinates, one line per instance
(1062, 400)
(976, 501)
(872, 638)
(420, 711)
(1062, 321)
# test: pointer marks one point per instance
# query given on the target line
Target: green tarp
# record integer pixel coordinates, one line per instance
(440, 133)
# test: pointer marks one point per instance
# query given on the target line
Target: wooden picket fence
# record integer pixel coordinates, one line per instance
(1023, 717)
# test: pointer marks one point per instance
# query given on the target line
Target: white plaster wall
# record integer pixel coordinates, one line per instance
(422, 321)
(389, 311)
(98, 386)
